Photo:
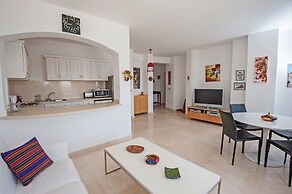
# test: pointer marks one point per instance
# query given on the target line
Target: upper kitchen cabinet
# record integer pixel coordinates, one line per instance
(16, 60)
(80, 69)
(99, 71)
(67, 68)
(57, 68)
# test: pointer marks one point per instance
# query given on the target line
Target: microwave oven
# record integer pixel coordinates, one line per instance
(101, 93)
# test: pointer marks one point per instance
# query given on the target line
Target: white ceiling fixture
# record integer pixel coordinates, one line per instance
(172, 27)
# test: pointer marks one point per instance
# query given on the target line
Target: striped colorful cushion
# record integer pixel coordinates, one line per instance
(27, 161)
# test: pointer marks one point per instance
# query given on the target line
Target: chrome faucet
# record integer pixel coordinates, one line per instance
(49, 96)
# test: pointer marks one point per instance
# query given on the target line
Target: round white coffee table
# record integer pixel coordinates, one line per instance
(276, 157)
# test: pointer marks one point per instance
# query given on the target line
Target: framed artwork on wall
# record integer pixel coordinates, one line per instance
(239, 86)
(261, 69)
(169, 77)
(289, 76)
(136, 77)
(212, 73)
(70, 24)
(239, 75)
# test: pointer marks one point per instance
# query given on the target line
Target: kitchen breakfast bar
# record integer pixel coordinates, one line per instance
(83, 127)
(40, 110)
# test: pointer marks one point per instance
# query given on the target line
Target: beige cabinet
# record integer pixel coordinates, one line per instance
(80, 69)
(66, 68)
(57, 68)
(16, 60)
(99, 71)
(140, 104)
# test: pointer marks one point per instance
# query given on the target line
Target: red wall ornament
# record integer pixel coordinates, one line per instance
(150, 67)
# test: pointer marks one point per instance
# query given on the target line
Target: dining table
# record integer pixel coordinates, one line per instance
(283, 122)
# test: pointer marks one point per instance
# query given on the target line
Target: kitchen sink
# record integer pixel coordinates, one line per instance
(57, 103)
(56, 100)
(59, 100)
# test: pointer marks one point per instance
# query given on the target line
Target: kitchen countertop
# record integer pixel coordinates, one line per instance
(38, 111)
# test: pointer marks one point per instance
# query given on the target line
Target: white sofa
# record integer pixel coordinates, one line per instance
(59, 178)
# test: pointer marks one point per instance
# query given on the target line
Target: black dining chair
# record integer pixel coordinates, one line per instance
(230, 130)
(234, 108)
(282, 133)
(285, 146)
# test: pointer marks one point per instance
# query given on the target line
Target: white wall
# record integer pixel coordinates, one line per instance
(283, 95)
(191, 59)
(2, 91)
(217, 54)
(80, 130)
(131, 86)
(260, 96)
(164, 60)
(169, 101)
(179, 81)
(176, 93)
(239, 61)
(141, 62)
(38, 47)
(150, 84)
(272, 97)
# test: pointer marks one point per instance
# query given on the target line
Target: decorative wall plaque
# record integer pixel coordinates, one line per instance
(70, 24)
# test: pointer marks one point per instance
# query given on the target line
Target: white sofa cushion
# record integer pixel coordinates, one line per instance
(73, 188)
(56, 150)
(60, 173)
(7, 179)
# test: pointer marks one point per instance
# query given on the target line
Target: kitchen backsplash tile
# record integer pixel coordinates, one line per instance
(62, 89)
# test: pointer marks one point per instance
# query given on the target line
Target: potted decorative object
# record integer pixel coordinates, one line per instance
(269, 117)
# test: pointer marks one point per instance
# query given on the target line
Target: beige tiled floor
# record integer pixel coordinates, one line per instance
(193, 140)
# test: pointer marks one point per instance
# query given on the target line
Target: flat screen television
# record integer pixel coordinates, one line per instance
(208, 97)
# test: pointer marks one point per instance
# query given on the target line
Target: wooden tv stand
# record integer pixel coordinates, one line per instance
(204, 114)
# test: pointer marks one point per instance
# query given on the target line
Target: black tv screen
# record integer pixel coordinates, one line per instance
(212, 97)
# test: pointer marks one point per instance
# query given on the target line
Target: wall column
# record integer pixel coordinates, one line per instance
(150, 84)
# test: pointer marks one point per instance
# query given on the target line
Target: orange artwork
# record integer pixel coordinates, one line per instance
(261, 69)
(213, 73)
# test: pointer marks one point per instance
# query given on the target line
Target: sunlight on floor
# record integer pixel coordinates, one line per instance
(196, 141)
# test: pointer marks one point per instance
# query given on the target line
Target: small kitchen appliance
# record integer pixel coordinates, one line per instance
(13, 103)
(88, 94)
(101, 93)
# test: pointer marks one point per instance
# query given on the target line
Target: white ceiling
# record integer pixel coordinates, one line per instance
(171, 27)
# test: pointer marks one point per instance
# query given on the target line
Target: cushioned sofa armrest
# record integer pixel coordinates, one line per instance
(56, 150)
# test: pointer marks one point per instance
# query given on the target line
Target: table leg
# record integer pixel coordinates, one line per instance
(219, 186)
(105, 164)
(276, 157)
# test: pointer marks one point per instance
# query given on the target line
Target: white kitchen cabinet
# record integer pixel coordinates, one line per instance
(99, 71)
(57, 68)
(64, 69)
(67, 68)
(52, 68)
(80, 69)
(16, 60)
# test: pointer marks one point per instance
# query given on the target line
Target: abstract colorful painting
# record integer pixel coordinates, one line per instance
(213, 73)
(261, 69)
